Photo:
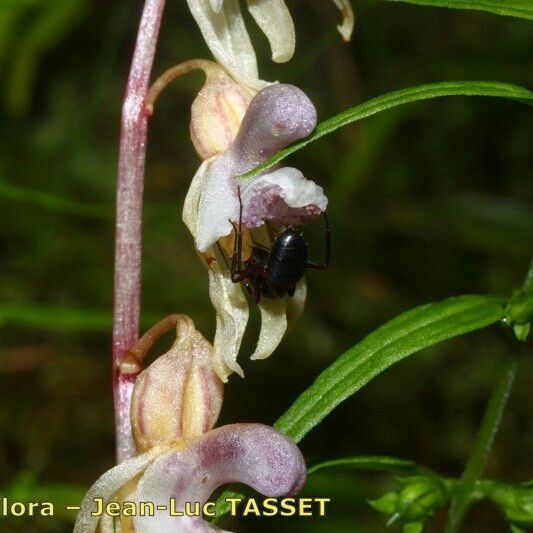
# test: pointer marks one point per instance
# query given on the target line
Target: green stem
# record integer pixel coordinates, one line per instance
(462, 498)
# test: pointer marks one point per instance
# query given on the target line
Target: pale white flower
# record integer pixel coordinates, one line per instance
(176, 402)
(225, 33)
(278, 115)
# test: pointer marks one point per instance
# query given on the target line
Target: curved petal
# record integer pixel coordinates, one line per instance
(273, 327)
(274, 19)
(284, 196)
(277, 318)
(253, 454)
(231, 309)
(218, 204)
(296, 304)
(191, 205)
(223, 29)
(346, 28)
(107, 485)
(227, 297)
(277, 116)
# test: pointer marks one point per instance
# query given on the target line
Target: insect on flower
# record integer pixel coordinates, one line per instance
(274, 272)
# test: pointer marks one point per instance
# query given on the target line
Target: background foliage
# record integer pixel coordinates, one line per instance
(427, 201)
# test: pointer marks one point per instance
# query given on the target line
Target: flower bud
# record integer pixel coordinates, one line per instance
(178, 396)
(418, 499)
(515, 501)
(217, 112)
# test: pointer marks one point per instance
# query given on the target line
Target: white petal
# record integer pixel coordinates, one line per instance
(227, 297)
(192, 200)
(284, 196)
(216, 5)
(274, 19)
(277, 318)
(218, 204)
(346, 28)
(231, 309)
(107, 485)
(296, 304)
(273, 327)
(227, 38)
(107, 524)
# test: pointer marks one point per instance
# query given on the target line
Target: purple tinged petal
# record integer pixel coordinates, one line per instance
(253, 454)
(277, 116)
(284, 196)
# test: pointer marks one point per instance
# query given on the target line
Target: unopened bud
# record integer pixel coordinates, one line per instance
(516, 501)
(178, 396)
(419, 498)
(217, 113)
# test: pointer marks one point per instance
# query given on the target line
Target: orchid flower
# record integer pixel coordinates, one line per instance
(181, 459)
(224, 31)
(277, 116)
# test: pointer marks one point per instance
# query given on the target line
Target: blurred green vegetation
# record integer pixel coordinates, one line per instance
(426, 201)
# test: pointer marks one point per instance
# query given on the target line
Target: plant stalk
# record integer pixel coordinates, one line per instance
(130, 184)
(477, 462)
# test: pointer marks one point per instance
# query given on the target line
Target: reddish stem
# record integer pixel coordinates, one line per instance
(130, 183)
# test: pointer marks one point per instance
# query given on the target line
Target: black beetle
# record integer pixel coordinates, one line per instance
(274, 272)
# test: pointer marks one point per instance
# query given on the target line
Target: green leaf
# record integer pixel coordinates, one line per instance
(396, 98)
(53, 202)
(510, 8)
(52, 21)
(64, 319)
(370, 462)
(407, 334)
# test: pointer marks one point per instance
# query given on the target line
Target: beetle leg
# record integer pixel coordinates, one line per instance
(253, 290)
(236, 260)
(327, 235)
(238, 274)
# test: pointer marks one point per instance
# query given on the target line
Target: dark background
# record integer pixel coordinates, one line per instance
(426, 201)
